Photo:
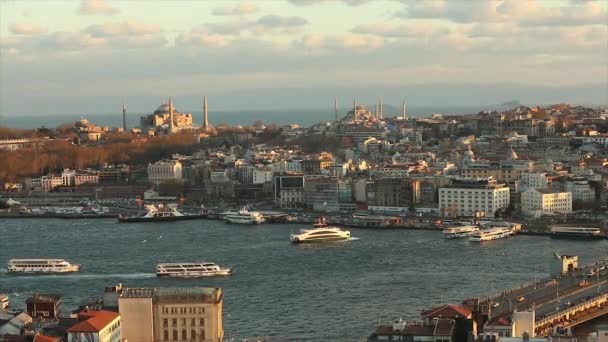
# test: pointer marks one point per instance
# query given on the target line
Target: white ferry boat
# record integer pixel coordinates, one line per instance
(320, 233)
(491, 234)
(160, 213)
(191, 270)
(460, 232)
(4, 302)
(244, 216)
(41, 266)
(585, 233)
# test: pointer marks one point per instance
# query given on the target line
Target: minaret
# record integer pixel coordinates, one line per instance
(403, 114)
(380, 113)
(171, 124)
(336, 107)
(376, 111)
(124, 115)
(205, 114)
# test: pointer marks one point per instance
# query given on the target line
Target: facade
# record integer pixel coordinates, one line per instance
(466, 197)
(538, 201)
(163, 171)
(506, 171)
(396, 192)
(289, 191)
(96, 326)
(172, 314)
(321, 193)
(46, 306)
(86, 178)
(535, 180)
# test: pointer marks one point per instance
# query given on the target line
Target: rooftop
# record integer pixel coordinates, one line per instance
(94, 321)
(43, 298)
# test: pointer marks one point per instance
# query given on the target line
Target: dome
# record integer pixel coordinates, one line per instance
(359, 107)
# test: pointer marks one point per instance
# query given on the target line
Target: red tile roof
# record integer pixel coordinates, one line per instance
(93, 321)
(499, 321)
(448, 311)
(44, 338)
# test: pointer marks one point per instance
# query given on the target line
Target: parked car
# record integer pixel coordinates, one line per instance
(521, 299)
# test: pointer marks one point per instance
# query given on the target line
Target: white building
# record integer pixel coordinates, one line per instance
(86, 178)
(163, 171)
(535, 180)
(261, 176)
(545, 201)
(466, 197)
(67, 177)
(49, 182)
(581, 190)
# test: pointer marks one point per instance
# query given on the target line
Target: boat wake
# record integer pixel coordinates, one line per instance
(86, 276)
(353, 238)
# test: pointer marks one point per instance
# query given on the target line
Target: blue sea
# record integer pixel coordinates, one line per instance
(304, 117)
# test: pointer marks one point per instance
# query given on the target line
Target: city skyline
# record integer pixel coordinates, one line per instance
(86, 56)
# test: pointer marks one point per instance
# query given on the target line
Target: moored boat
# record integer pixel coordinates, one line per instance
(4, 301)
(584, 233)
(244, 216)
(320, 232)
(191, 270)
(41, 266)
(491, 234)
(161, 213)
(460, 232)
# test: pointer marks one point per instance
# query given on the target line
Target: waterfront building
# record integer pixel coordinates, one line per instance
(580, 188)
(47, 306)
(289, 191)
(86, 178)
(163, 171)
(539, 201)
(466, 197)
(437, 330)
(171, 314)
(395, 192)
(321, 193)
(50, 182)
(96, 326)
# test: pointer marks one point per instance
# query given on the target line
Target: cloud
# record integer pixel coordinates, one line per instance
(407, 30)
(314, 2)
(95, 7)
(127, 28)
(528, 12)
(348, 41)
(264, 25)
(26, 28)
(242, 8)
(201, 39)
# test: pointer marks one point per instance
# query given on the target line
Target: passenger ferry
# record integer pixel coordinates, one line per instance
(460, 232)
(585, 233)
(41, 266)
(491, 234)
(191, 270)
(4, 302)
(244, 216)
(160, 213)
(320, 233)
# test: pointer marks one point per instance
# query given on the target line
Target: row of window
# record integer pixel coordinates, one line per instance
(175, 336)
(183, 310)
(193, 321)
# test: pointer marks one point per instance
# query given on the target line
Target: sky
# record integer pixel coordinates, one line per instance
(62, 56)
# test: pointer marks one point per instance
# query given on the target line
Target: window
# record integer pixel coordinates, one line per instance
(175, 335)
(174, 321)
(201, 335)
(193, 321)
(166, 335)
(183, 321)
(184, 335)
(165, 322)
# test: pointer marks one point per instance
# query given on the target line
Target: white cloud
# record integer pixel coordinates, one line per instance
(314, 2)
(348, 41)
(242, 8)
(264, 25)
(127, 28)
(201, 39)
(406, 30)
(26, 28)
(94, 7)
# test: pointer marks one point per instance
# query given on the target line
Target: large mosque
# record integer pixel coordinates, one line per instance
(166, 119)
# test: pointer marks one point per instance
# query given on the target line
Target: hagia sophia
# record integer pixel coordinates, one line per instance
(166, 119)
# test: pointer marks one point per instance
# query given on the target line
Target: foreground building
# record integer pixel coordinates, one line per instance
(171, 314)
(97, 326)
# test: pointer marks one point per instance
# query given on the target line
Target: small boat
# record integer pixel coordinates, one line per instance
(41, 266)
(491, 234)
(584, 233)
(244, 216)
(460, 232)
(4, 302)
(320, 232)
(191, 270)
(160, 213)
